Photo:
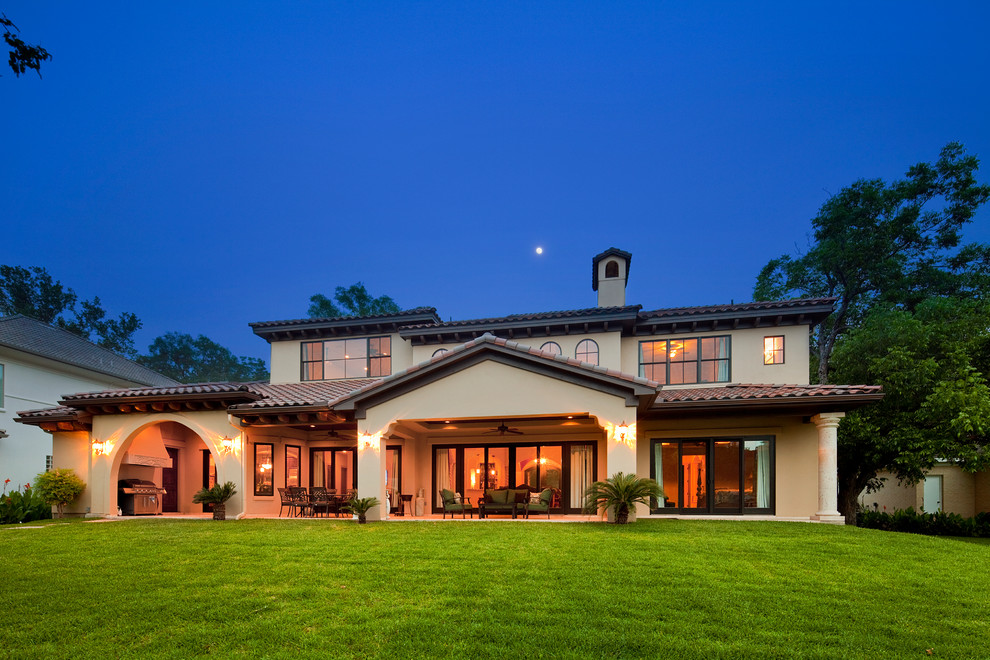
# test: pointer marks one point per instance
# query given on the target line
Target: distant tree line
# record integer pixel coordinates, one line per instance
(33, 292)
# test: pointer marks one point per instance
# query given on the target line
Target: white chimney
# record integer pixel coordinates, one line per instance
(609, 274)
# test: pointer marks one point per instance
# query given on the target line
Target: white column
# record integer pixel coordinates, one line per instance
(371, 469)
(828, 467)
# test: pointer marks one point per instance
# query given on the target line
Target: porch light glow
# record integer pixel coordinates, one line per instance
(102, 447)
(625, 434)
(370, 441)
(226, 444)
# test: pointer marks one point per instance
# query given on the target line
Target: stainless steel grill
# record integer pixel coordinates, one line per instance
(139, 497)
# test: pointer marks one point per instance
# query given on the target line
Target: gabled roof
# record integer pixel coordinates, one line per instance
(611, 252)
(28, 335)
(489, 346)
(342, 326)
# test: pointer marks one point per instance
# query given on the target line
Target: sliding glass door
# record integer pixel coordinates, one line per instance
(714, 475)
(333, 469)
(471, 470)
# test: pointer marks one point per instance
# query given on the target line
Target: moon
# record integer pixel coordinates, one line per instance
(539, 250)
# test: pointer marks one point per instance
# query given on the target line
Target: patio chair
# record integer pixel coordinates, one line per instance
(319, 500)
(542, 505)
(288, 502)
(452, 504)
(300, 498)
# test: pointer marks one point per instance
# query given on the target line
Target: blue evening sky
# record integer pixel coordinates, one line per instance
(208, 164)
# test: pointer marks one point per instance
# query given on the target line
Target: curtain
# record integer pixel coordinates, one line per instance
(763, 475)
(658, 462)
(581, 472)
(319, 468)
(722, 353)
(392, 478)
(443, 470)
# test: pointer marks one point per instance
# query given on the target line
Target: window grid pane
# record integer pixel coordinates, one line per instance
(685, 361)
(347, 358)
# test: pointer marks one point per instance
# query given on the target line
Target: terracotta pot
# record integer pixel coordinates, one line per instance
(219, 511)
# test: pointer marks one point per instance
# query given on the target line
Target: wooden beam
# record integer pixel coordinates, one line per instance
(51, 427)
(66, 426)
(109, 409)
(174, 406)
(124, 408)
(285, 419)
(141, 407)
(158, 406)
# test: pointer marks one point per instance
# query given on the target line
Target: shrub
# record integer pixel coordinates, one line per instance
(620, 493)
(59, 487)
(361, 506)
(216, 497)
(20, 507)
(932, 524)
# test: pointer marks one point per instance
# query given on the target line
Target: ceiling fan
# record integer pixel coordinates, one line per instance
(502, 429)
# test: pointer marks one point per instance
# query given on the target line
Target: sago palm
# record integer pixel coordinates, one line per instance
(619, 493)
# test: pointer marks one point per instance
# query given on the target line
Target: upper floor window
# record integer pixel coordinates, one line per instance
(678, 361)
(612, 269)
(368, 357)
(587, 351)
(551, 347)
(773, 350)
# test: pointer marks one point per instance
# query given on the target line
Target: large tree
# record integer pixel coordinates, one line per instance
(22, 56)
(887, 243)
(350, 301)
(200, 360)
(33, 292)
(932, 363)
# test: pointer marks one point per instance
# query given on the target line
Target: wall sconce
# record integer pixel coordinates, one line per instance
(226, 444)
(626, 434)
(102, 448)
(370, 441)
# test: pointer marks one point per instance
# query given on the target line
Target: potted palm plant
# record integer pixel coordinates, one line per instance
(361, 506)
(619, 494)
(216, 497)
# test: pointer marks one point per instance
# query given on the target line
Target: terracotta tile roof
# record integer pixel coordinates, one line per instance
(488, 338)
(31, 336)
(416, 311)
(562, 315)
(304, 394)
(178, 390)
(46, 413)
(767, 305)
(753, 391)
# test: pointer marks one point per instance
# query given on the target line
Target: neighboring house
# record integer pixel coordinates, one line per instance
(946, 487)
(713, 402)
(38, 364)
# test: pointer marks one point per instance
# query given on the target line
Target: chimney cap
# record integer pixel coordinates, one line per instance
(611, 252)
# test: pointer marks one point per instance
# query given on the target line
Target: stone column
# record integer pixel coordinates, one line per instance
(828, 467)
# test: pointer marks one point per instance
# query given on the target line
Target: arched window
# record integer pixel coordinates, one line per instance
(439, 352)
(587, 351)
(612, 269)
(551, 347)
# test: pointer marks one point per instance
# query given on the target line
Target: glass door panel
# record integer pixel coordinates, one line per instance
(725, 473)
(499, 474)
(527, 468)
(551, 473)
(582, 473)
(665, 464)
(319, 468)
(756, 474)
(343, 470)
(694, 475)
(474, 473)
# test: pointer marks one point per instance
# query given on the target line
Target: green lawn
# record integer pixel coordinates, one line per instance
(655, 588)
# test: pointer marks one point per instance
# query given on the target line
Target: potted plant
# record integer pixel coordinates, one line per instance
(216, 497)
(619, 494)
(361, 506)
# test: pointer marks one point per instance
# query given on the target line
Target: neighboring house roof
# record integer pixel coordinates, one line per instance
(611, 252)
(342, 326)
(28, 335)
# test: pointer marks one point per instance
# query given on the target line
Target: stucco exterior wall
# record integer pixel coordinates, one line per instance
(963, 493)
(610, 347)
(746, 352)
(31, 382)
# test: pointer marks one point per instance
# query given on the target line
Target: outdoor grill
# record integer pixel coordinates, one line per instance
(139, 497)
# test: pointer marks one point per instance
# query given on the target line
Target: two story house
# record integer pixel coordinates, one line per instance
(711, 401)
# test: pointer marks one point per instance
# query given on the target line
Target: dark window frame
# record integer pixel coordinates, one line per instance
(598, 351)
(700, 361)
(710, 508)
(560, 351)
(285, 459)
(773, 351)
(611, 268)
(260, 489)
(322, 361)
(333, 451)
(438, 352)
